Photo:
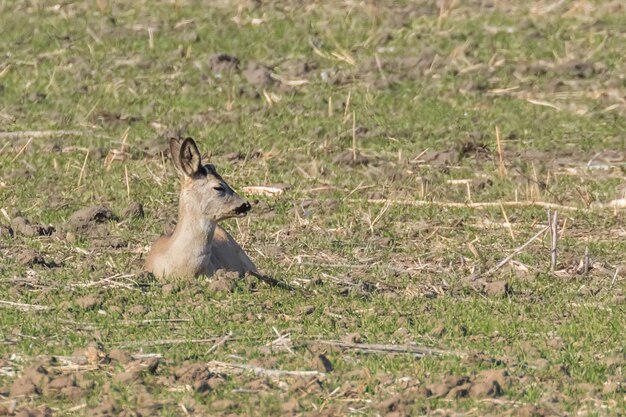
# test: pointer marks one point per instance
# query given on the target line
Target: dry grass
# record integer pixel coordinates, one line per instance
(401, 158)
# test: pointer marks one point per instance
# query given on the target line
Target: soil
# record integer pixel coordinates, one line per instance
(497, 288)
(420, 263)
(221, 285)
(199, 377)
(223, 63)
(87, 220)
(30, 257)
(45, 379)
(488, 383)
(88, 302)
(133, 211)
(297, 69)
(258, 75)
(121, 356)
(351, 158)
(6, 231)
(23, 226)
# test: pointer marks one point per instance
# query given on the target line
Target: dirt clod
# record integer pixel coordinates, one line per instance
(461, 391)
(497, 288)
(323, 363)
(137, 310)
(23, 387)
(223, 63)
(223, 281)
(38, 412)
(499, 376)
(296, 68)
(92, 353)
(198, 376)
(442, 158)
(258, 75)
(104, 409)
(29, 258)
(290, 406)
(151, 364)
(72, 393)
(439, 390)
(488, 383)
(168, 289)
(89, 217)
(396, 404)
(351, 158)
(528, 410)
(191, 372)
(132, 375)
(133, 211)
(353, 338)
(6, 231)
(221, 285)
(32, 382)
(120, 356)
(222, 405)
(485, 389)
(23, 226)
(61, 382)
(88, 302)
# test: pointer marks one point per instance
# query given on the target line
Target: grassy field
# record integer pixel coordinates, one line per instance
(418, 144)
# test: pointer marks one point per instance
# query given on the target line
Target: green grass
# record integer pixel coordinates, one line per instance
(438, 86)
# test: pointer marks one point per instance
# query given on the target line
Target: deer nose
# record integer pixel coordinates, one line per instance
(244, 208)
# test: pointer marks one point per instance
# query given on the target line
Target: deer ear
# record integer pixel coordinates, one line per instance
(189, 158)
(175, 144)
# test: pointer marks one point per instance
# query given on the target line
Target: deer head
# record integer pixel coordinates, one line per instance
(203, 191)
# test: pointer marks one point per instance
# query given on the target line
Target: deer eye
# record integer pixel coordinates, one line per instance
(219, 188)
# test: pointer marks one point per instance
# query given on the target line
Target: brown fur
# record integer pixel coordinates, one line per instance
(198, 245)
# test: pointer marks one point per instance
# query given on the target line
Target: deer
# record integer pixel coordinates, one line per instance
(199, 245)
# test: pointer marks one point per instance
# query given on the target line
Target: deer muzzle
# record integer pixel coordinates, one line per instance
(243, 209)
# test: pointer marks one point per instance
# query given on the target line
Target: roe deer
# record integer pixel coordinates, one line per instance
(198, 245)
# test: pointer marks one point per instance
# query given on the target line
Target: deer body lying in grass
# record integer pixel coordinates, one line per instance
(198, 245)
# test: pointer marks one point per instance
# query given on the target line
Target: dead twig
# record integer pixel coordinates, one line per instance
(386, 267)
(380, 214)
(614, 277)
(74, 409)
(392, 349)
(40, 134)
(501, 167)
(153, 321)
(554, 227)
(516, 251)
(478, 206)
(353, 136)
(240, 368)
(508, 223)
(272, 282)
(543, 103)
(82, 170)
(108, 282)
(220, 341)
(361, 284)
(283, 340)
(23, 306)
(264, 190)
(22, 149)
(77, 368)
(166, 342)
(586, 261)
(143, 356)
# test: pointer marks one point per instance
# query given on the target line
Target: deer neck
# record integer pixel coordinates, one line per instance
(193, 234)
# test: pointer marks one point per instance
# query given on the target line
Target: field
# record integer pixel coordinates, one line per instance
(449, 202)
